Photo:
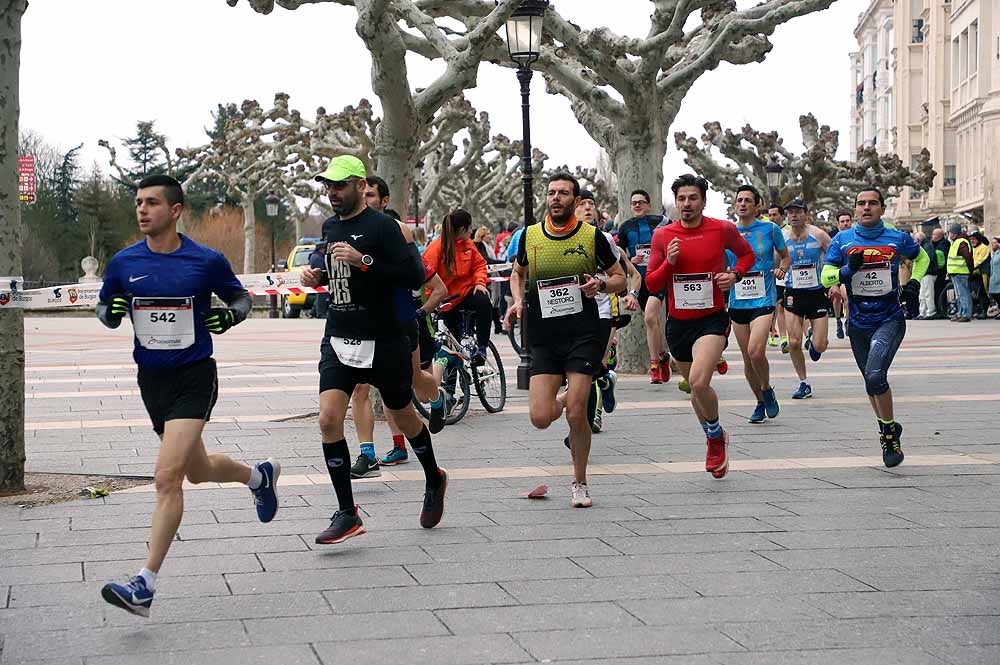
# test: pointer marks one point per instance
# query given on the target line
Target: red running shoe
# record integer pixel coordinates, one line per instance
(722, 367)
(717, 459)
(665, 368)
(655, 376)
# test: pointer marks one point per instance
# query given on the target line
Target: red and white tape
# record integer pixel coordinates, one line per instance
(86, 295)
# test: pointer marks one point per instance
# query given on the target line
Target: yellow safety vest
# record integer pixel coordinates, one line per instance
(957, 264)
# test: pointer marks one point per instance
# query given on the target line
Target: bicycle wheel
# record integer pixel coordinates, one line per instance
(455, 383)
(491, 381)
(514, 335)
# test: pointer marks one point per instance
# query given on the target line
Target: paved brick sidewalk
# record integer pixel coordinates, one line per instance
(810, 555)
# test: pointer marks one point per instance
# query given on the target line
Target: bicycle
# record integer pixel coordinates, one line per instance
(488, 379)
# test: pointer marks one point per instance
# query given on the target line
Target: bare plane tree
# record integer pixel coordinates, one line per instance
(626, 91)
(406, 112)
(728, 159)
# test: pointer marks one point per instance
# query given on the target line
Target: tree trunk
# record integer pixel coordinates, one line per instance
(638, 163)
(11, 320)
(395, 168)
(249, 234)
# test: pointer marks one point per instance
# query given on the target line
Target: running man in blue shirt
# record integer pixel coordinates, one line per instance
(805, 297)
(752, 299)
(165, 285)
(866, 259)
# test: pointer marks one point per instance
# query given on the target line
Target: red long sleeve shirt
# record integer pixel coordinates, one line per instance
(702, 256)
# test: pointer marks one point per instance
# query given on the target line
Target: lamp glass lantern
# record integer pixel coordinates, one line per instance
(524, 32)
(773, 171)
(271, 203)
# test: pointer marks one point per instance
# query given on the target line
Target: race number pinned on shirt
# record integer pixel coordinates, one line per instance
(560, 296)
(163, 324)
(751, 286)
(874, 279)
(804, 276)
(694, 291)
(359, 353)
(644, 251)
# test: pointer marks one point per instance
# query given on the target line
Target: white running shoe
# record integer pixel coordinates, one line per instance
(581, 495)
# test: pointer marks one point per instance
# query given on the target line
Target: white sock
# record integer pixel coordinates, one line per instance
(150, 578)
(256, 478)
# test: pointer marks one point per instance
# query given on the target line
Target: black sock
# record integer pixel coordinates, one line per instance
(422, 448)
(338, 464)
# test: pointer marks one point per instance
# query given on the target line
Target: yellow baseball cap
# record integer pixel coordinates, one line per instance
(343, 168)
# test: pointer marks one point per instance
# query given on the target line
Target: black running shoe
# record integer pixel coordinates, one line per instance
(343, 525)
(365, 467)
(438, 413)
(892, 451)
(433, 509)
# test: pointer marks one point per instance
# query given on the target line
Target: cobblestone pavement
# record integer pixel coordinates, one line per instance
(808, 553)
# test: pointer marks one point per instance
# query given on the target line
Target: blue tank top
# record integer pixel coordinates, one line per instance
(765, 238)
(807, 261)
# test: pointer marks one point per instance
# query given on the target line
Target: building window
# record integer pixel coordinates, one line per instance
(963, 56)
(949, 175)
(917, 35)
(955, 80)
(973, 48)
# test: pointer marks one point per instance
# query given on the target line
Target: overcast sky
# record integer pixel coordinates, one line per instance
(90, 70)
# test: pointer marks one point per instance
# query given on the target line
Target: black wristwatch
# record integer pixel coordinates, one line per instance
(739, 275)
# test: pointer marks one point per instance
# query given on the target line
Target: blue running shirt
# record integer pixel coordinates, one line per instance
(807, 257)
(880, 254)
(193, 271)
(765, 238)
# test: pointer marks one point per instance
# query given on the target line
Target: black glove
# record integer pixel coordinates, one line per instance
(118, 307)
(856, 260)
(912, 289)
(219, 319)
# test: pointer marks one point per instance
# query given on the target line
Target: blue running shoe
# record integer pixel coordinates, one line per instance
(264, 497)
(394, 457)
(805, 391)
(608, 392)
(133, 596)
(758, 414)
(771, 407)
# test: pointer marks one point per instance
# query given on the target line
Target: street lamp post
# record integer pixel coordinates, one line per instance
(773, 172)
(524, 43)
(271, 204)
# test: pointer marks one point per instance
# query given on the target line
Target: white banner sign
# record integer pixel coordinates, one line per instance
(86, 295)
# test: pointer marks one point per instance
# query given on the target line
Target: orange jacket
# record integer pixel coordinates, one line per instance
(470, 269)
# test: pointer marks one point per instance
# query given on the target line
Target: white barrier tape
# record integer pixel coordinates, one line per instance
(11, 283)
(498, 267)
(86, 295)
(70, 295)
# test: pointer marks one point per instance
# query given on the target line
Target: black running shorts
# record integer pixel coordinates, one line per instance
(745, 317)
(391, 372)
(176, 393)
(808, 303)
(582, 355)
(683, 333)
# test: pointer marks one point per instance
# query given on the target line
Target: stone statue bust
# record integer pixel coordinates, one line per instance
(89, 265)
